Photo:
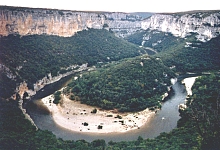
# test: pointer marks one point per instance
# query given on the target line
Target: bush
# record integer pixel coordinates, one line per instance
(57, 97)
(119, 117)
(94, 111)
(85, 124)
(100, 127)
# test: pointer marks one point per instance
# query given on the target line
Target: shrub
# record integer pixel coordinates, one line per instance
(94, 111)
(100, 127)
(85, 124)
(57, 97)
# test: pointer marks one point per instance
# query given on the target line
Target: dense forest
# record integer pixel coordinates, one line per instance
(159, 41)
(203, 112)
(130, 85)
(195, 58)
(185, 54)
(31, 58)
(198, 128)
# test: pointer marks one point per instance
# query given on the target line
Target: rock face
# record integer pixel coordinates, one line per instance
(26, 21)
(205, 24)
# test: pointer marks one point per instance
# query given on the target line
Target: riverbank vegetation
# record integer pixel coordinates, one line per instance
(203, 112)
(131, 85)
(197, 129)
(57, 97)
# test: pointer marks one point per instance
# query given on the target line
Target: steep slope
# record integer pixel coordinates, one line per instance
(31, 58)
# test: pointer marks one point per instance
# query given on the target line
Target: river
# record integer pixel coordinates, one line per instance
(164, 121)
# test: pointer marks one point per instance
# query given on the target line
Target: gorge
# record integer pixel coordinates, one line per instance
(107, 54)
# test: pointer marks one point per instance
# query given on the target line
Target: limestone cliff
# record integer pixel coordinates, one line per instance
(27, 21)
(205, 24)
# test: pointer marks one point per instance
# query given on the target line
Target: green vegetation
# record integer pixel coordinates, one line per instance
(196, 57)
(100, 127)
(197, 129)
(203, 112)
(85, 124)
(94, 111)
(126, 85)
(7, 86)
(55, 52)
(159, 41)
(119, 117)
(131, 85)
(136, 38)
(31, 58)
(16, 132)
(57, 97)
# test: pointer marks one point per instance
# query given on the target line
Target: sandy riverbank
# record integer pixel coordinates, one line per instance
(188, 84)
(75, 116)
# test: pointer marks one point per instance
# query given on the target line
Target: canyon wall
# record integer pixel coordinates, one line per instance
(27, 21)
(205, 24)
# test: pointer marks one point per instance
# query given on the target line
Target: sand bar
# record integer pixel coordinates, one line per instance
(75, 116)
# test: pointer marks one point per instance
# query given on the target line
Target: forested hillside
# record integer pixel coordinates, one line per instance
(186, 54)
(131, 85)
(195, 58)
(159, 41)
(203, 112)
(30, 58)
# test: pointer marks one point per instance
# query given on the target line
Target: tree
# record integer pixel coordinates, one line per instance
(203, 110)
(99, 143)
(57, 97)
(94, 111)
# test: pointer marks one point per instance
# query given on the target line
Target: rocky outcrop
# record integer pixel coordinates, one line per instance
(27, 21)
(5, 70)
(205, 24)
(48, 79)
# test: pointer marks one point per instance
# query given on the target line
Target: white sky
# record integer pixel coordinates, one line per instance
(119, 5)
